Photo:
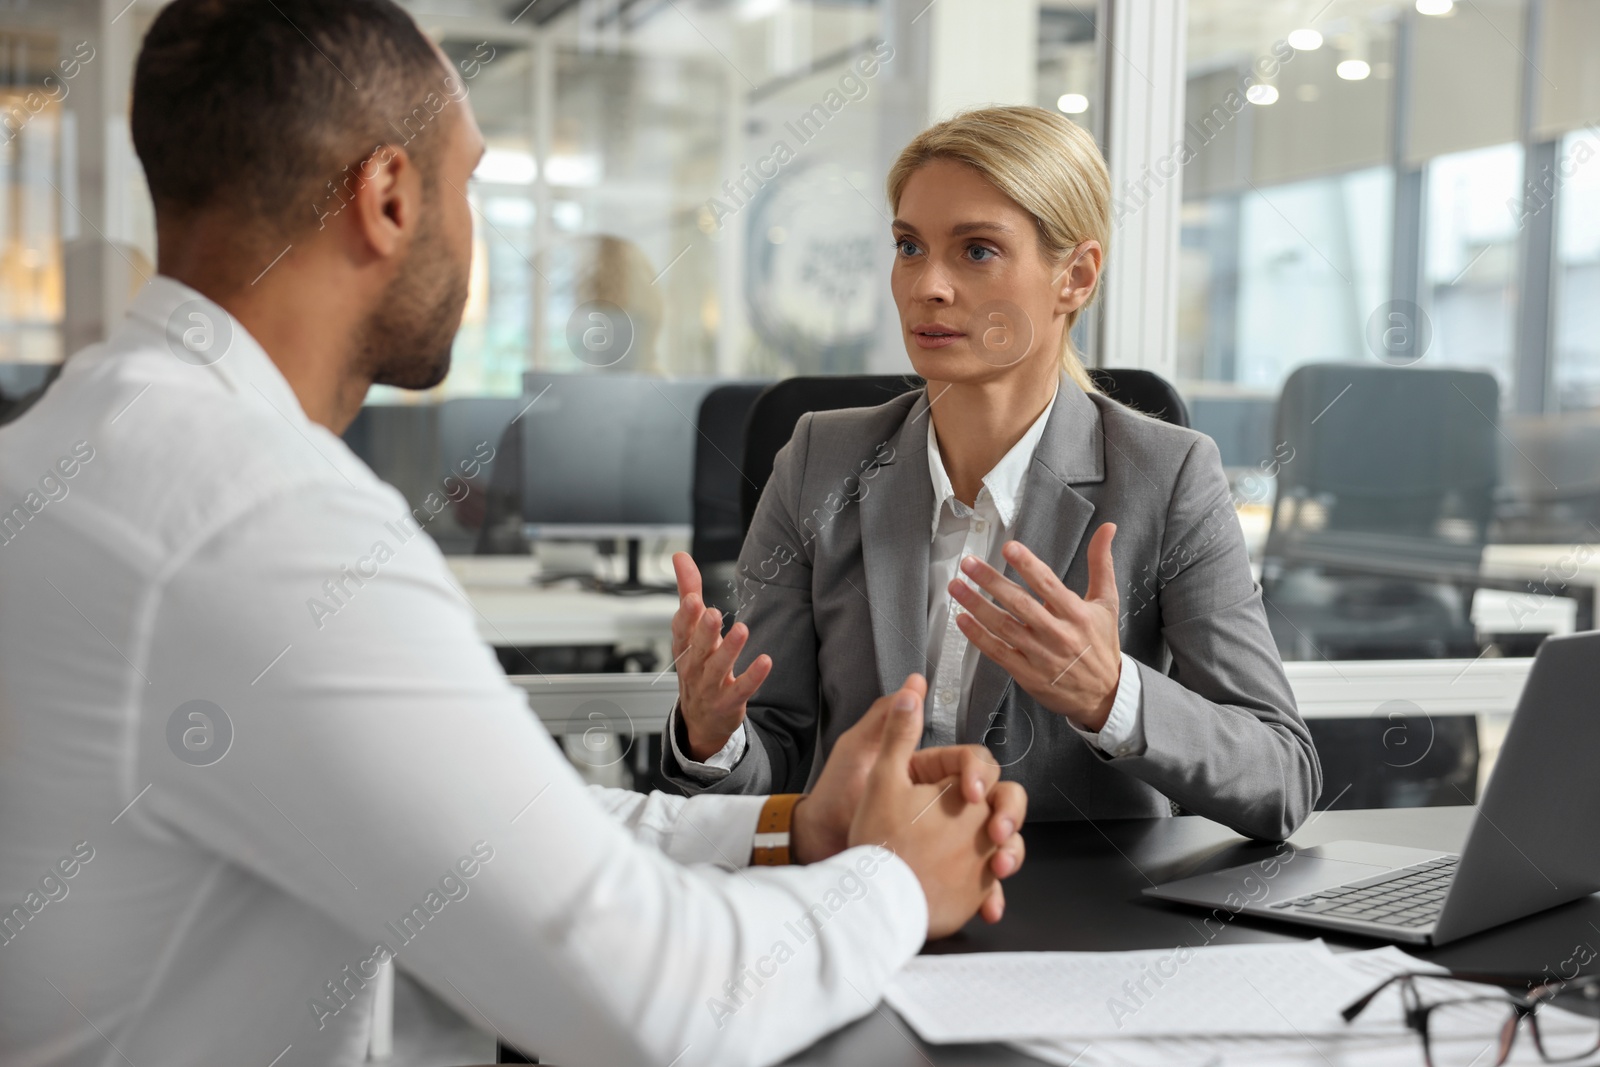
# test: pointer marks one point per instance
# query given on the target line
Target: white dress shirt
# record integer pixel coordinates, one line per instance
(982, 531)
(958, 531)
(250, 743)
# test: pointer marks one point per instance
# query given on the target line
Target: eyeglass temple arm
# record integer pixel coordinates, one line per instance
(1505, 981)
(1349, 1014)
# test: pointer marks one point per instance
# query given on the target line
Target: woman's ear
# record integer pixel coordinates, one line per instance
(1076, 279)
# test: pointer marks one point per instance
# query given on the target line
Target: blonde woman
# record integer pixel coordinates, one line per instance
(1068, 573)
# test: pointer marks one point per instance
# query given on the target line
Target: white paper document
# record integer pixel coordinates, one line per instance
(1369, 1042)
(1006, 996)
(1243, 1006)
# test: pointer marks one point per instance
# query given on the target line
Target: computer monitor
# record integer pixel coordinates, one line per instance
(608, 456)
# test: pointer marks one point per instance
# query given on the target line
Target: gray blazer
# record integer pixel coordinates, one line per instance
(833, 584)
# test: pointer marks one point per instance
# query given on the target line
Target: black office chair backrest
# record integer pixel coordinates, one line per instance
(773, 417)
(718, 479)
(779, 407)
(1385, 462)
(1142, 390)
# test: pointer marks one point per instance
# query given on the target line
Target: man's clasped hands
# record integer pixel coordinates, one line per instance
(944, 811)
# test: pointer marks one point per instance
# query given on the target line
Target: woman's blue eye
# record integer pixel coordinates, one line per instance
(904, 247)
(987, 252)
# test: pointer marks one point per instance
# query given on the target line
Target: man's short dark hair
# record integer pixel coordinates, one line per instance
(256, 106)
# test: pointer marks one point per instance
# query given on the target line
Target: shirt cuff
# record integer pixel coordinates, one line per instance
(1123, 732)
(721, 762)
(719, 830)
(902, 905)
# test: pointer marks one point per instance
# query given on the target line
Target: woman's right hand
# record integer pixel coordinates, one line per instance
(711, 698)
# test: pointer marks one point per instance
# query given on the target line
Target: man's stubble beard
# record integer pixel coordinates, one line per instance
(407, 340)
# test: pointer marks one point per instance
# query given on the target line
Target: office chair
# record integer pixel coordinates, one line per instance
(1378, 527)
(718, 453)
(1400, 758)
(775, 412)
(719, 449)
(1381, 514)
(1142, 390)
(779, 407)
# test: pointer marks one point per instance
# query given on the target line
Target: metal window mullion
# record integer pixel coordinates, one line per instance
(1532, 358)
(1143, 88)
(543, 110)
(1408, 214)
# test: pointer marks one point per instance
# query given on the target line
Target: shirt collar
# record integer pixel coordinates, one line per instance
(1004, 482)
(226, 348)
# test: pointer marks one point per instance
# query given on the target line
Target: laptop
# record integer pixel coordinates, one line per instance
(1531, 845)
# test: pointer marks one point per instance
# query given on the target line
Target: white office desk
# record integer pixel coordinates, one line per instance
(1348, 689)
(1546, 567)
(602, 716)
(513, 611)
(546, 617)
(1554, 572)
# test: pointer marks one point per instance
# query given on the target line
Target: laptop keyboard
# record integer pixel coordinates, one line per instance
(1408, 898)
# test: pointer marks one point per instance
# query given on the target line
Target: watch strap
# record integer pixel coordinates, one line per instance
(771, 845)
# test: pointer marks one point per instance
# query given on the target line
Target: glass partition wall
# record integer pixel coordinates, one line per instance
(48, 69)
(712, 172)
(1411, 190)
(690, 192)
(693, 190)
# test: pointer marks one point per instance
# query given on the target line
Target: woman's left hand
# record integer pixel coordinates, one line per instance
(1061, 648)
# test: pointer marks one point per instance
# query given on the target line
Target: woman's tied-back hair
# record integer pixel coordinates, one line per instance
(1046, 163)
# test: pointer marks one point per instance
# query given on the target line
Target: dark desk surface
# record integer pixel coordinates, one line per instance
(1080, 891)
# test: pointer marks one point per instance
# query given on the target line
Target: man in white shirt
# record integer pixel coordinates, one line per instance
(252, 751)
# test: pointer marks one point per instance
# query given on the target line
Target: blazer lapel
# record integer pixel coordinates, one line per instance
(1051, 522)
(896, 518)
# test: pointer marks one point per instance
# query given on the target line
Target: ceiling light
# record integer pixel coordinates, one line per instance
(1306, 40)
(1262, 94)
(1353, 70)
(1435, 7)
(1073, 103)
(573, 170)
(750, 10)
(506, 166)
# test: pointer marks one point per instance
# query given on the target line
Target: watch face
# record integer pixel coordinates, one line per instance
(816, 272)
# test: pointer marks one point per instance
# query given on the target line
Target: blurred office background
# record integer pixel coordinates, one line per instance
(1361, 238)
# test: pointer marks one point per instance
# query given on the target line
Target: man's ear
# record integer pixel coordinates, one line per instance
(1076, 277)
(387, 201)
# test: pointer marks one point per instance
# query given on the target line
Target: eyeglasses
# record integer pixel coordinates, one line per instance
(1478, 1031)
